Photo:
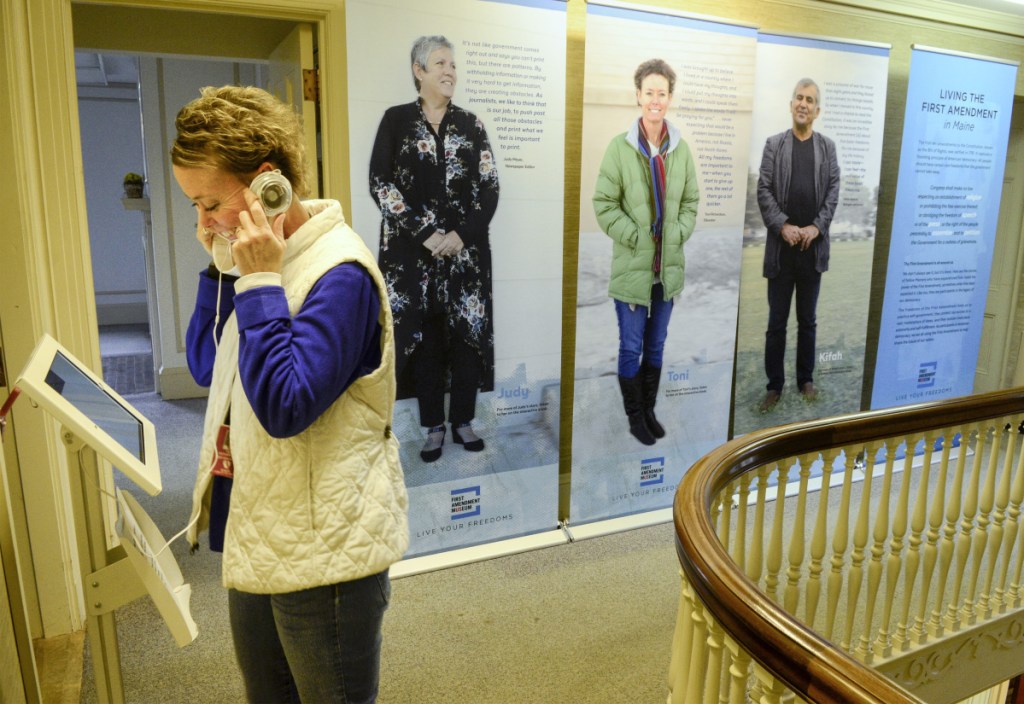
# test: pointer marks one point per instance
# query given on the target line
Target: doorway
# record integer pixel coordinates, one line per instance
(120, 232)
(144, 257)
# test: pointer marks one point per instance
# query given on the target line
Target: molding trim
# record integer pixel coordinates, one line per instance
(176, 382)
(948, 670)
(957, 14)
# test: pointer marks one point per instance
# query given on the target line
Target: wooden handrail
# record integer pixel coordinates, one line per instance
(810, 665)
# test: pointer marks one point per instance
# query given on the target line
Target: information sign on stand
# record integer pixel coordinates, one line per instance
(95, 421)
(158, 571)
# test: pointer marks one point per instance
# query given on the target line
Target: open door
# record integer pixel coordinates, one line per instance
(292, 77)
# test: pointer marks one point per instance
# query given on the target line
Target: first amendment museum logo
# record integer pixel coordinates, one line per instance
(652, 471)
(465, 502)
(926, 374)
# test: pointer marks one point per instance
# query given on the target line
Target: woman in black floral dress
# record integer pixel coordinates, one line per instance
(433, 176)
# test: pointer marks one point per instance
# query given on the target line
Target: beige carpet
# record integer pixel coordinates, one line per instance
(586, 622)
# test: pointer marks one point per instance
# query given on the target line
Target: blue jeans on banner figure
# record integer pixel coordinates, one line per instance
(642, 333)
(315, 645)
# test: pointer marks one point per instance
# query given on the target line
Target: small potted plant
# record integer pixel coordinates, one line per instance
(133, 185)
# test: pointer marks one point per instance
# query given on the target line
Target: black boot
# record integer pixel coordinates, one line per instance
(631, 400)
(649, 379)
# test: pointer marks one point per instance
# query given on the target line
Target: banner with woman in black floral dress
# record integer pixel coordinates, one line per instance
(457, 175)
(432, 174)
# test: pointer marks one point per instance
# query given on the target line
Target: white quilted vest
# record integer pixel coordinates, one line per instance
(329, 504)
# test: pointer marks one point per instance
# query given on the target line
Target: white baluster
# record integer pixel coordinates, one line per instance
(771, 582)
(698, 655)
(899, 531)
(715, 513)
(818, 541)
(840, 540)
(930, 550)
(1013, 514)
(860, 539)
(958, 614)
(739, 554)
(682, 642)
(917, 522)
(797, 537)
(1013, 525)
(770, 690)
(716, 651)
(879, 535)
(977, 602)
(739, 671)
(948, 543)
(993, 601)
(755, 558)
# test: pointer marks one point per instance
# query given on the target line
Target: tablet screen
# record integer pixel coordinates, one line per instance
(96, 404)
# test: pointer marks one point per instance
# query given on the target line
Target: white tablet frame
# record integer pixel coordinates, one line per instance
(144, 471)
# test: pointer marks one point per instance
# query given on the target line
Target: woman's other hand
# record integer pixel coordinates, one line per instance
(449, 245)
(260, 243)
(205, 238)
(434, 241)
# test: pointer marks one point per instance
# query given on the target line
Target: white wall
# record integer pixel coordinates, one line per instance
(111, 133)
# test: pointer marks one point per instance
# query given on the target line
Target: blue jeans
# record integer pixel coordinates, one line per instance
(642, 335)
(315, 645)
(798, 276)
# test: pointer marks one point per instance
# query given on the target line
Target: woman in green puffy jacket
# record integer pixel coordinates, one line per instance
(646, 201)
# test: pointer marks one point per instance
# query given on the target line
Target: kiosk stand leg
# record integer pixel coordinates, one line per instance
(87, 505)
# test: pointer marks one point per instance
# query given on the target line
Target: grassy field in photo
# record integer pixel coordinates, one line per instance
(842, 327)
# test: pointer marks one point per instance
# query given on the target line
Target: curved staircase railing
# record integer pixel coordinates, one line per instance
(875, 557)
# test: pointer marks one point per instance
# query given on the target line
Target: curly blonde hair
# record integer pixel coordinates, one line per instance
(237, 128)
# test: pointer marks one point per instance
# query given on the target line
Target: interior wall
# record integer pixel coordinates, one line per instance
(110, 122)
(897, 26)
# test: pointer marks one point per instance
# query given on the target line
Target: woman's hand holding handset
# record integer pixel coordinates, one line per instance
(260, 242)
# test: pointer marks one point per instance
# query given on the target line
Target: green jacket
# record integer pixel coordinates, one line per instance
(625, 212)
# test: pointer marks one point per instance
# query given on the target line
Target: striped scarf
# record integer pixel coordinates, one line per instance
(657, 164)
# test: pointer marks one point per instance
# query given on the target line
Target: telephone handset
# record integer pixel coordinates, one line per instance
(220, 248)
(275, 194)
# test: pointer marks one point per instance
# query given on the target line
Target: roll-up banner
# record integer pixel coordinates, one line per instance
(944, 226)
(687, 383)
(812, 191)
(463, 202)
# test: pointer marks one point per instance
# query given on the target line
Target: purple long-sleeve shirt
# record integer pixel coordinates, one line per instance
(292, 369)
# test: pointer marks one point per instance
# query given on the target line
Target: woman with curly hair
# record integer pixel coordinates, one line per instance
(299, 481)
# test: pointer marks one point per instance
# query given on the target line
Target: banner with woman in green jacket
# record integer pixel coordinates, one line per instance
(666, 122)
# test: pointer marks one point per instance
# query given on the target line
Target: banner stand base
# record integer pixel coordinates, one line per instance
(618, 525)
(478, 553)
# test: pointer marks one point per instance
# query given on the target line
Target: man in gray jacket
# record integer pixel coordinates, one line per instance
(797, 193)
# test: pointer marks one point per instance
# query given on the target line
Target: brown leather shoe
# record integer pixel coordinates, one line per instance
(809, 392)
(770, 399)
